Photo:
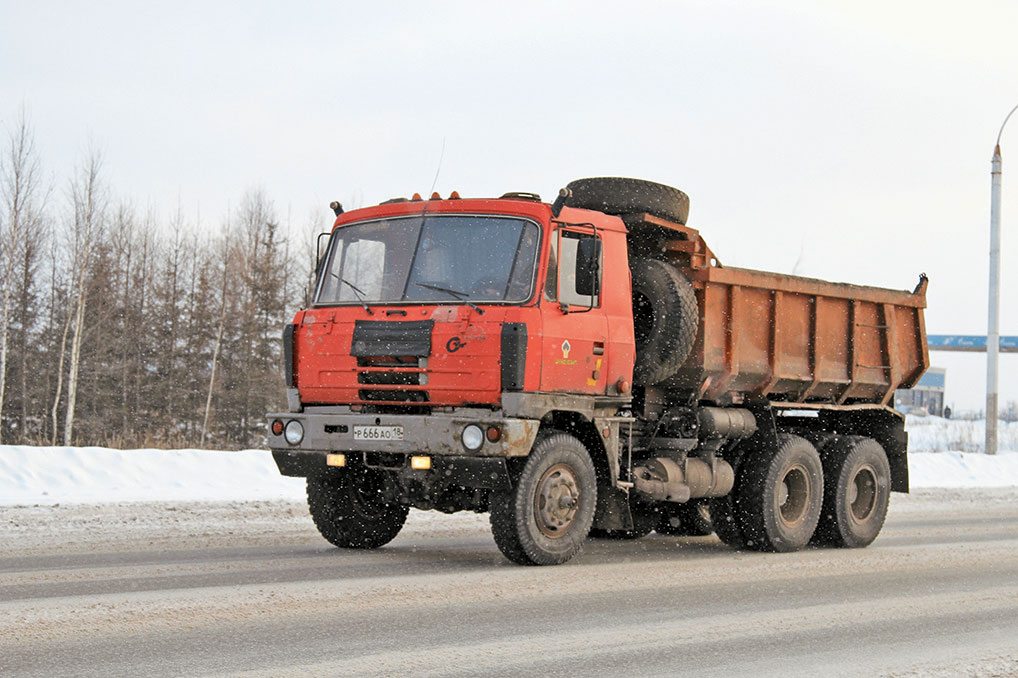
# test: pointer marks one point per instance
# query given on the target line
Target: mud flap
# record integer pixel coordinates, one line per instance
(612, 511)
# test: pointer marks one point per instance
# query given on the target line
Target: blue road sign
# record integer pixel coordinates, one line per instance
(974, 343)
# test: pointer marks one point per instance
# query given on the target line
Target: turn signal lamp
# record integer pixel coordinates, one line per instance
(335, 460)
(420, 463)
(277, 428)
(493, 434)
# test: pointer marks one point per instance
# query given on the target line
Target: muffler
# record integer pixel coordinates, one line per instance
(664, 479)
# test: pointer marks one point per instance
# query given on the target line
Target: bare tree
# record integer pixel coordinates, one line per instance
(225, 292)
(88, 199)
(20, 187)
(1010, 411)
(159, 331)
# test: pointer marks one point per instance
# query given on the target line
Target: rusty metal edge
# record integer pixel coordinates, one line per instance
(745, 277)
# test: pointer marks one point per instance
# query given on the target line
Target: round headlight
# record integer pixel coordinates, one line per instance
(472, 437)
(294, 432)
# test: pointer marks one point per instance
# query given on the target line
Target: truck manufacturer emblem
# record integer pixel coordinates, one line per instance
(454, 344)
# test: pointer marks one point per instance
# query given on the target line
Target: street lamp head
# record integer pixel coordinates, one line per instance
(1002, 125)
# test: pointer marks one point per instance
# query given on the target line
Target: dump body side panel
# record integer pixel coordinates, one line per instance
(786, 338)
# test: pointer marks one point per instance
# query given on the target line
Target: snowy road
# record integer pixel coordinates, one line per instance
(249, 589)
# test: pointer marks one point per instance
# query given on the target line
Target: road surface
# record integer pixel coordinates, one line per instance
(250, 589)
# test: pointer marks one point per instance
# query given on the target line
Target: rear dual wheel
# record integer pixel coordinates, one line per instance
(776, 503)
(788, 495)
(781, 495)
(856, 493)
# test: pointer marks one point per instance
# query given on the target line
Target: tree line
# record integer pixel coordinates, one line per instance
(125, 329)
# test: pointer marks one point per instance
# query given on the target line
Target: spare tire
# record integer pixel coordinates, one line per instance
(618, 195)
(665, 320)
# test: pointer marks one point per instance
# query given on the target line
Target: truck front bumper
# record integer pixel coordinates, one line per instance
(327, 430)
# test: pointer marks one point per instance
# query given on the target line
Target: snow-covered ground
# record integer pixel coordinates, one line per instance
(943, 454)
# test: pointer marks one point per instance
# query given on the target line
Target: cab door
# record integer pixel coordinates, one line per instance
(574, 356)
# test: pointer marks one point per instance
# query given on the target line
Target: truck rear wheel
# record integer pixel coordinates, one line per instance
(619, 195)
(857, 489)
(350, 508)
(780, 495)
(665, 320)
(545, 518)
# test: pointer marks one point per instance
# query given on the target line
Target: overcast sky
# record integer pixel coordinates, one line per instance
(843, 140)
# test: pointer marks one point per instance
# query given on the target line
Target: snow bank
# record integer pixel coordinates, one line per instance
(942, 456)
(962, 469)
(55, 475)
(935, 434)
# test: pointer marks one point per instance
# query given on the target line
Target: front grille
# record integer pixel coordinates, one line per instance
(395, 371)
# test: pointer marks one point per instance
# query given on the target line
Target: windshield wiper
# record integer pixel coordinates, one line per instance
(357, 291)
(459, 295)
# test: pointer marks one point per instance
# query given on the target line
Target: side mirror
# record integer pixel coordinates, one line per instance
(318, 253)
(319, 263)
(588, 264)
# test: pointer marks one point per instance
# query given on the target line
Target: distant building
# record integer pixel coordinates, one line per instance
(927, 394)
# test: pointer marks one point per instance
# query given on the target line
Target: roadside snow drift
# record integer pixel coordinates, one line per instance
(57, 475)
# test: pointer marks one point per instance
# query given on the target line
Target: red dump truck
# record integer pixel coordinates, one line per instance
(589, 368)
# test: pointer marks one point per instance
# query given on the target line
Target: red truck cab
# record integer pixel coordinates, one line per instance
(448, 303)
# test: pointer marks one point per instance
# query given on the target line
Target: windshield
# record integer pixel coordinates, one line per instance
(446, 258)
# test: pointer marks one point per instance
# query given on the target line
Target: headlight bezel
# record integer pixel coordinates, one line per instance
(472, 432)
(293, 432)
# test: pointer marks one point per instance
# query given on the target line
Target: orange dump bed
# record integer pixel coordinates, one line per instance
(793, 339)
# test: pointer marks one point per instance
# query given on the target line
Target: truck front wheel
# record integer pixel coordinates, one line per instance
(857, 489)
(544, 519)
(351, 509)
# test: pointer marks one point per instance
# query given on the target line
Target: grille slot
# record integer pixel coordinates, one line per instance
(393, 396)
(389, 361)
(390, 378)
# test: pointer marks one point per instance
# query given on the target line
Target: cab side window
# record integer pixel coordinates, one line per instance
(579, 269)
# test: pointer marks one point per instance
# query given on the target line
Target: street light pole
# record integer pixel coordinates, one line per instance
(993, 321)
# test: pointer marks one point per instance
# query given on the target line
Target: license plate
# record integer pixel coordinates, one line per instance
(378, 433)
